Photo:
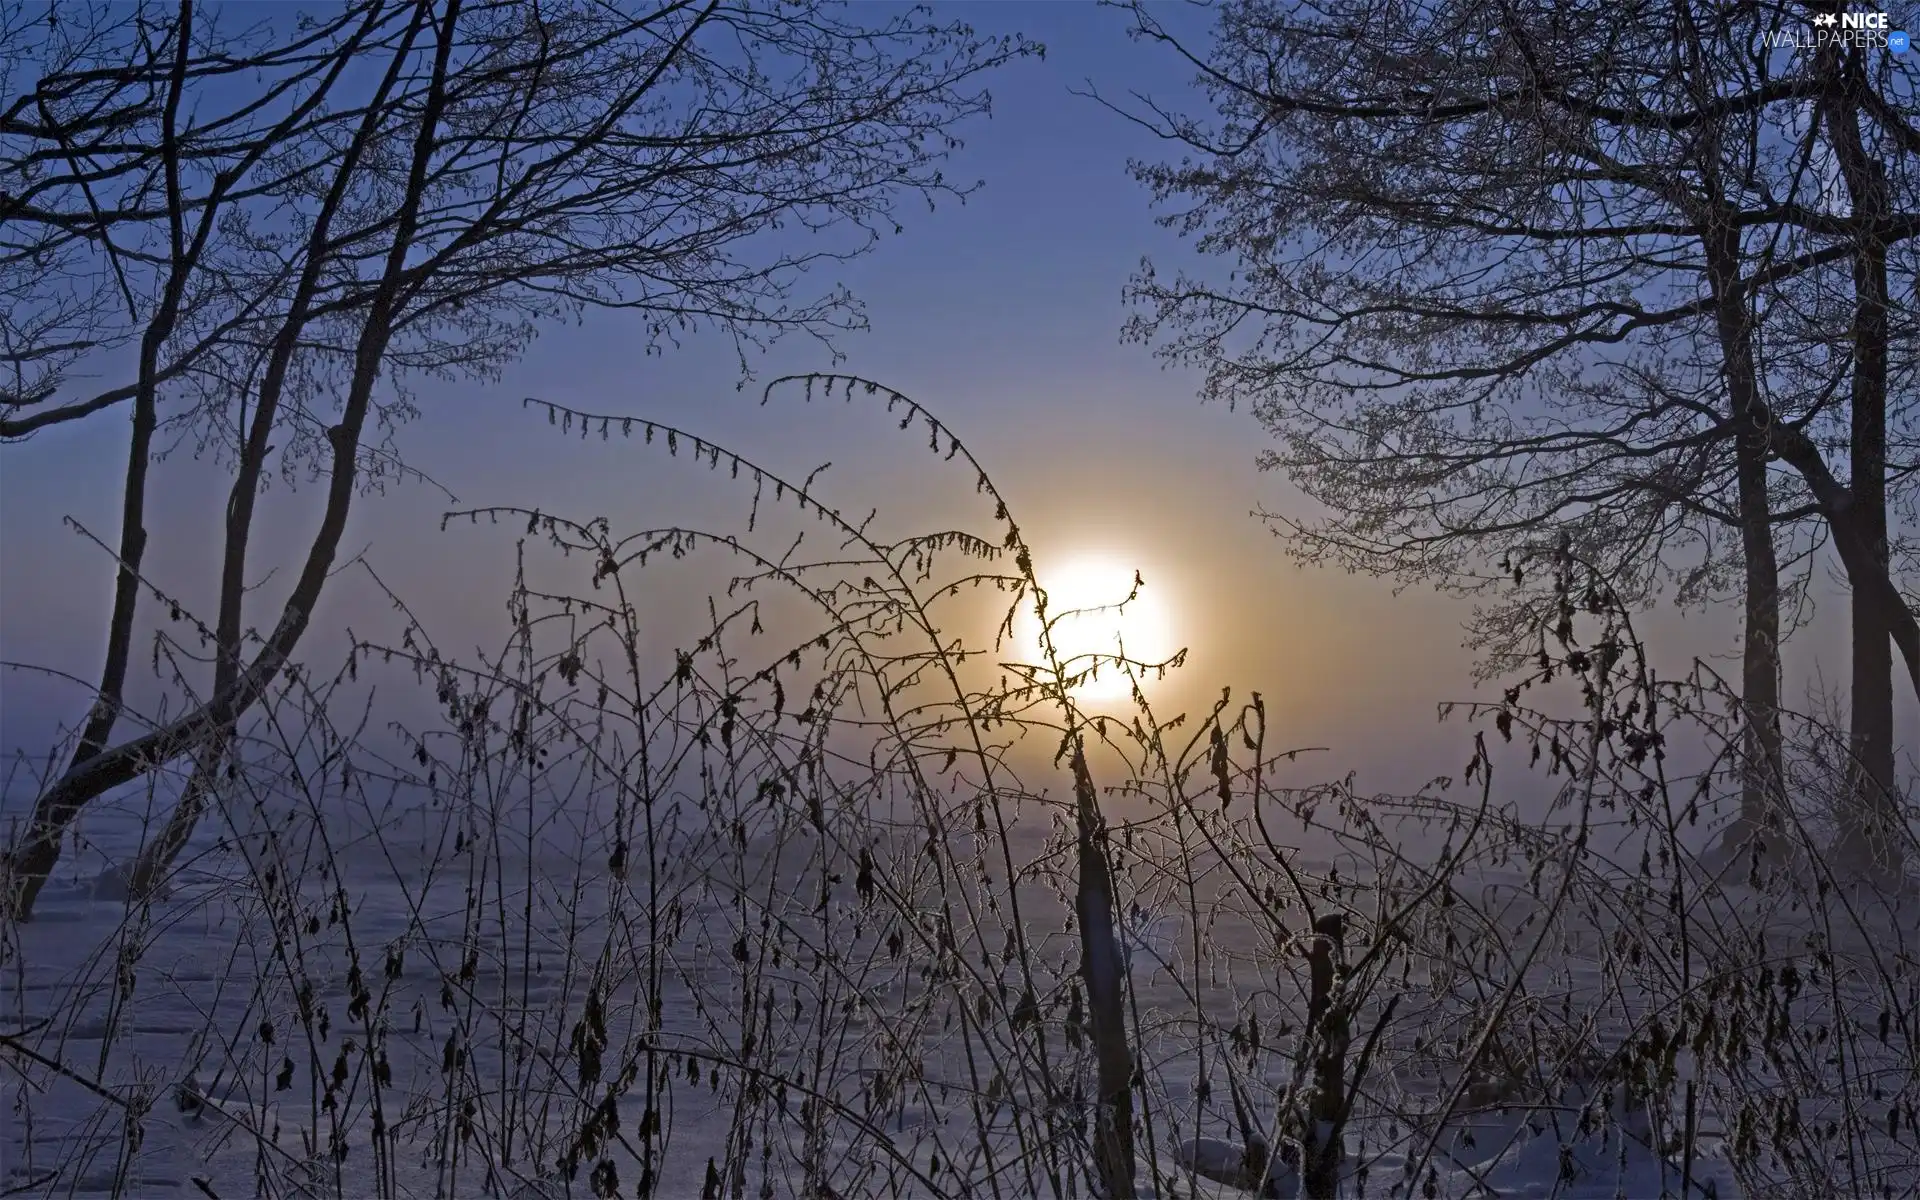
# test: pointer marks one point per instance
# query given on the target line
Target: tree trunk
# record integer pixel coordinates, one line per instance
(343, 439)
(1760, 765)
(32, 860)
(1330, 1033)
(1104, 977)
(149, 870)
(1868, 834)
(1760, 759)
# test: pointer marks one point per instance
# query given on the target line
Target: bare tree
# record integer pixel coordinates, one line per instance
(1862, 165)
(495, 166)
(1503, 276)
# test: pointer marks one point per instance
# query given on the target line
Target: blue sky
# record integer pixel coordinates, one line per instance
(1002, 314)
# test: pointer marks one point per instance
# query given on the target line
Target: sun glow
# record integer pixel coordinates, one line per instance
(1091, 620)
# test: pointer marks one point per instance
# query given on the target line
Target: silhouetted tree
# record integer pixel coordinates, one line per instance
(300, 217)
(1864, 133)
(1506, 275)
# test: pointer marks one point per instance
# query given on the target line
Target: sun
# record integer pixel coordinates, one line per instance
(1091, 615)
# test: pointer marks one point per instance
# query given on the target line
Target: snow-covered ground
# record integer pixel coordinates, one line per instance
(429, 1022)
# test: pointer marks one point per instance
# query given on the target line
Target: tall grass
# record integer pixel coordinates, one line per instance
(832, 895)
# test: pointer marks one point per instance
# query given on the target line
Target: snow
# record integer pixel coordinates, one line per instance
(474, 973)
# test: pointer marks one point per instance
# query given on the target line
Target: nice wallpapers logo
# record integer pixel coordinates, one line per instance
(1846, 31)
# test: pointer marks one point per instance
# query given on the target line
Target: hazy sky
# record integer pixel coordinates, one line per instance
(1002, 315)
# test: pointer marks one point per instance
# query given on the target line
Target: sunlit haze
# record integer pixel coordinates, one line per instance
(835, 598)
(1002, 315)
(1106, 630)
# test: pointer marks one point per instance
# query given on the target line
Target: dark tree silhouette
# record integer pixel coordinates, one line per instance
(1508, 276)
(297, 218)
